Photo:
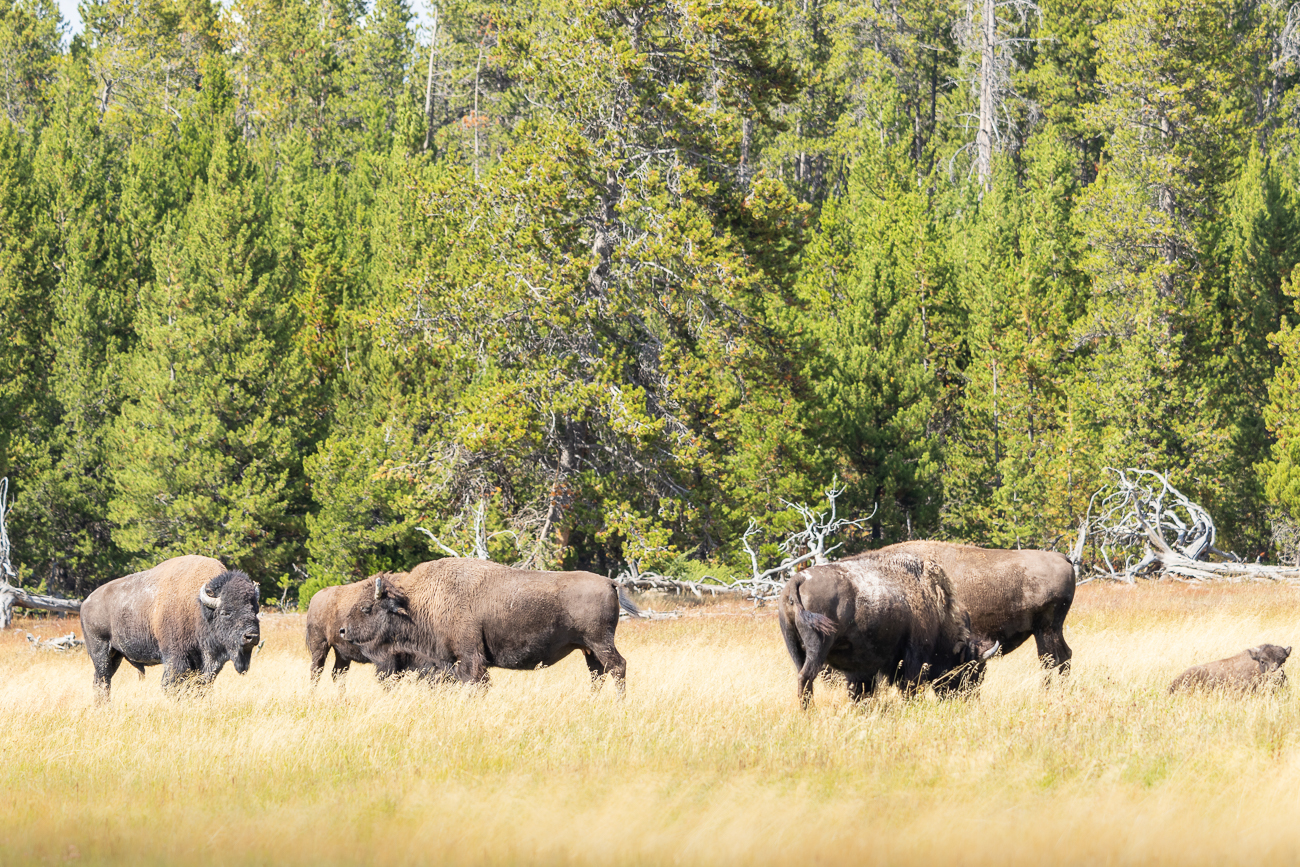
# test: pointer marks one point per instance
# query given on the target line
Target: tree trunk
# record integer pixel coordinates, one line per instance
(428, 86)
(984, 137)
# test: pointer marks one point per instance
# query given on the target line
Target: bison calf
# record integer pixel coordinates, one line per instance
(324, 632)
(190, 614)
(892, 617)
(458, 617)
(1247, 671)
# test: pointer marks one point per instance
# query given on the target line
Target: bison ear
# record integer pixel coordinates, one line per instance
(1257, 654)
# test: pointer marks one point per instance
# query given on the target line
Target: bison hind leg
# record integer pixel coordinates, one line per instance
(106, 661)
(606, 661)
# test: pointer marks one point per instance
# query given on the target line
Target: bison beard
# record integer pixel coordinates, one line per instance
(458, 617)
(189, 614)
(893, 618)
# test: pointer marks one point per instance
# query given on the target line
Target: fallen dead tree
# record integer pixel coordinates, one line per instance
(10, 593)
(63, 642)
(1145, 526)
(808, 545)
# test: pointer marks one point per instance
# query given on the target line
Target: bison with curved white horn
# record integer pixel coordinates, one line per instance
(189, 614)
(892, 618)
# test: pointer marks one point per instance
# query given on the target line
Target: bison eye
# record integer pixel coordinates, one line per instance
(365, 610)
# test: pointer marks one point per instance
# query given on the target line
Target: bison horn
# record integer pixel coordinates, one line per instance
(989, 654)
(208, 600)
(379, 586)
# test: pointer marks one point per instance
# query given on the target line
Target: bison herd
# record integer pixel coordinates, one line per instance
(911, 615)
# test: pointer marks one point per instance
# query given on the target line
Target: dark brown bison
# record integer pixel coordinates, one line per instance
(190, 614)
(459, 617)
(1249, 670)
(324, 622)
(892, 617)
(1010, 595)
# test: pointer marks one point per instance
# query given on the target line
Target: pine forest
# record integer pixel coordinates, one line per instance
(303, 284)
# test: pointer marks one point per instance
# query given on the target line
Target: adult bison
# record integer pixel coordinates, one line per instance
(190, 614)
(1249, 670)
(1010, 595)
(458, 617)
(324, 623)
(892, 617)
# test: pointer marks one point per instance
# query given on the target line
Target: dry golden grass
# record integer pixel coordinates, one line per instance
(707, 760)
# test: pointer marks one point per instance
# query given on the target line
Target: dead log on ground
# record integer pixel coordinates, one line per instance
(10, 593)
(1150, 527)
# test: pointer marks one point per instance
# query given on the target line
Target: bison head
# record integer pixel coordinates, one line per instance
(376, 618)
(229, 605)
(1269, 656)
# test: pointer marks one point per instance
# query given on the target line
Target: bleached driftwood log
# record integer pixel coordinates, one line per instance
(1150, 527)
(63, 642)
(808, 545)
(10, 593)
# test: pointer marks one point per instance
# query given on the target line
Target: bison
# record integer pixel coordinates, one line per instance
(458, 617)
(892, 617)
(1247, 671)
(1010, 595)
(324, 622)
(190, 614)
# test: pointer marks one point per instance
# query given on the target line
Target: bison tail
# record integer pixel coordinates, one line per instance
(627, 605)
(816, 622)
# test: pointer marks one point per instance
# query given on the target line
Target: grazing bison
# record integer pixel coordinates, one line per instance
(458, 617)
(1247, 671)
(324, 622)
(892, 617)
(1010, 595)
(190, 614)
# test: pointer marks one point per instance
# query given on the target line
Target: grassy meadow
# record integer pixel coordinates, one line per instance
(707, 760)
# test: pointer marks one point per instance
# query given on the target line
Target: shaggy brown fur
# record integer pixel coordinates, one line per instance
(1010, 595)
(459, 617)
(892, 617)
(325, 619)
(156, 617)
(1249, 670)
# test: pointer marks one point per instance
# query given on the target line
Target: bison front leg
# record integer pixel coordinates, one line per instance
(861, 687)
(339, 670)
(178, 674)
